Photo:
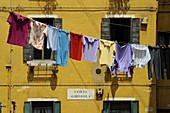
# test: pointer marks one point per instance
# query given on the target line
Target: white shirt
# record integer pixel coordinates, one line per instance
(141, 55)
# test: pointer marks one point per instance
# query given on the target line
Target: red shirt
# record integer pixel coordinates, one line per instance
(75, 46)
(18, 31)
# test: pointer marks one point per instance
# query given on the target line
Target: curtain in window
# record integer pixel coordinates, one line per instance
(42, 110)
(48, 110)
(37, 110)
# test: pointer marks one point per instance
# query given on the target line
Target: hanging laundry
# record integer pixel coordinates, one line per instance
(123, 59)
(156, 61)
(52, 36)
(91, 46)
(18, 31)
(141, 55)
(75, 46)
(37, 34)
(165, 61)
(107, 50)
(62, 48)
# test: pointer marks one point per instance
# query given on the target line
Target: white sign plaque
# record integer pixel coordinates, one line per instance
(80, 94)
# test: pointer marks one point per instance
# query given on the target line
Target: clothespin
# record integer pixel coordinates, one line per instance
(10, 9)
(168, 46)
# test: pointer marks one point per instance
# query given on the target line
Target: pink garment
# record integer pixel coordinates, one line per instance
(37, 34)
(18, 31)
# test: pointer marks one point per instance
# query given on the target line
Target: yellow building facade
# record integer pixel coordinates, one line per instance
(38, 86)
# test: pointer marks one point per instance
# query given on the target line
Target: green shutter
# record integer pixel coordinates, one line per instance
(134, 107)
(106, 107)
(57, 107)
(135, 31)
(105, 29)
(57, 22)
(27, 107)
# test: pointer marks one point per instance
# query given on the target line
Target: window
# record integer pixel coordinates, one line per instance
(120, 107)
(42, 107)
(163, 111)
(31, 53)
(163, 38)
(125, 30)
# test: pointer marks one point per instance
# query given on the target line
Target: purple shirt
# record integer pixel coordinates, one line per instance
(91, 46)
(123, 59)
(18, 31)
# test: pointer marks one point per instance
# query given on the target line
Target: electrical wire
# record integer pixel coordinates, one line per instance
(84, 85)
(90, 18)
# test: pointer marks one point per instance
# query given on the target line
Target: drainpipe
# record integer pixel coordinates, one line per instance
(9, 67)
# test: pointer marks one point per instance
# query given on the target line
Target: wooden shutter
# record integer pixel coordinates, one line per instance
(134, 107)
(28, 52)
(106, 107)
(27, 107)
(135, 31)
(57, 107)
(105, 29)
(57, 22)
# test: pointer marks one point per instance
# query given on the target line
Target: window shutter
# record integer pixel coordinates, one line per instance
(57, 22)
(106, 107)
(135, 31)
(105, 29)
(56, 107)
(134, 107)
(28, 52)
(27, 107)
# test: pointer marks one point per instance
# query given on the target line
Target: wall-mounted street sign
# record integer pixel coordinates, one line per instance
(80, 94)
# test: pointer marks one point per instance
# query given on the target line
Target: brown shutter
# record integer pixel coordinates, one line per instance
(57, 22)
(105, 29)
(135, 31)
(28, 51)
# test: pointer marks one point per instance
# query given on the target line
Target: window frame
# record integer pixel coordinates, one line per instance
(134, 105)
(28, 51)
(135, 25)
(56, 105)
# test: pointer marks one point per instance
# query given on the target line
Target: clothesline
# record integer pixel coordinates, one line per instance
(68, 30)
(78, 46)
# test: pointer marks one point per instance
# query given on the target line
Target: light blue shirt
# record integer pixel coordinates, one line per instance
(52, 36)
(62, 48)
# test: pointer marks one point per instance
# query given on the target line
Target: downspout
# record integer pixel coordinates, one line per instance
(10, 81)
(9, 67)
(10, 73)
